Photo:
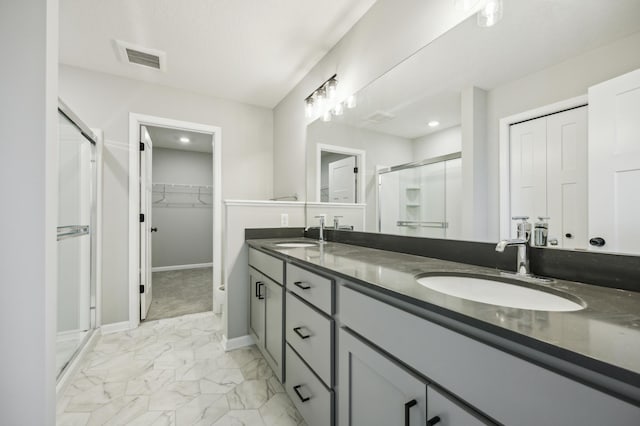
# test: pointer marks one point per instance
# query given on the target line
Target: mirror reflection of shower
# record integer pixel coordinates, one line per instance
(421, 199)
(76, 290)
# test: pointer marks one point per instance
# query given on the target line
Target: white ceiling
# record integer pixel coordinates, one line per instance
(252, 51)
(162, 137)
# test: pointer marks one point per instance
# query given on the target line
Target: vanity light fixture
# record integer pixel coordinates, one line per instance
(490, 13)
(433, 123)
(326, 116)
(315, 102)
(184, 139)
(338, 109)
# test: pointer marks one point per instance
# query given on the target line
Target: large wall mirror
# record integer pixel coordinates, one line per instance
(537, 116)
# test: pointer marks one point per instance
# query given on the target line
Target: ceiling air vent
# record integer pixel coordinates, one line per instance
(139, 55)
(379, 117)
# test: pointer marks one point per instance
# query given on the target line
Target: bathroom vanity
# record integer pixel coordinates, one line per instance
(365, 343)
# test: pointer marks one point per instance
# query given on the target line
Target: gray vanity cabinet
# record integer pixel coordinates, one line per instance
(375, 390)
(266, 299)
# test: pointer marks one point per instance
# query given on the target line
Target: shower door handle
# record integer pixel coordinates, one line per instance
(154, 229)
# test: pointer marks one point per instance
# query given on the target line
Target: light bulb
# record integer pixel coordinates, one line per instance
(338, 109)
(184, 139)
(433, 123)
(490, 13)
(352, 101)
(308, 107)
(332, 86)
(326, 116)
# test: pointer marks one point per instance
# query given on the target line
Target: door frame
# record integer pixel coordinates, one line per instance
(504, 152)
(358, 153)
(135, 121)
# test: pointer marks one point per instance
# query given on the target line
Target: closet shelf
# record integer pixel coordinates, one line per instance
(182, 195)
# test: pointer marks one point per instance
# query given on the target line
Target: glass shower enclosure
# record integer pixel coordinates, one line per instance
(421, 199)
(76, 291)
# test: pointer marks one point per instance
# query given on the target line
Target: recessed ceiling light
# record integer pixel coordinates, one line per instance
(433, 123)
(184, 139)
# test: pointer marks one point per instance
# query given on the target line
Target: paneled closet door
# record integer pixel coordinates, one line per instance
(528, 164)
(614, 164)
(567, 177)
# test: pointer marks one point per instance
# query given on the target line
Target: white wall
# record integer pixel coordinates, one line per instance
(28, 189)
(562, 81)
(240, 215)
(105, 101)
(388, 33)
(185, 234)
(443, 142)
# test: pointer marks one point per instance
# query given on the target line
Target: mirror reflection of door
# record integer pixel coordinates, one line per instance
(339, 178)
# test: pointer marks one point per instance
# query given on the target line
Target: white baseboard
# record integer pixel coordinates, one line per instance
(115, 327)
(73, 366)
(236, 342)
(179, 267)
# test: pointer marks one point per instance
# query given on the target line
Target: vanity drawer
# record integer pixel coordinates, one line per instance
(268, 265)
(312, 399)
(313, 288)
(311, 334)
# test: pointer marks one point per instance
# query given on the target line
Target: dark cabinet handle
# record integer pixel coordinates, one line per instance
(407, 407)
(301, 285)
(154, 229)
(302, 336)
(433, 421)
(597, 241)
(568, 235)
(302, 398)
(259, 295)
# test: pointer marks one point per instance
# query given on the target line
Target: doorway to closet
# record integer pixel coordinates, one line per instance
(175, 215)
(178, 165)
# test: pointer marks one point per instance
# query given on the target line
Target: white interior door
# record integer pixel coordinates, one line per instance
(614, 164)
(146, 186)
(528, 149)
(343, 180)
(567, 177)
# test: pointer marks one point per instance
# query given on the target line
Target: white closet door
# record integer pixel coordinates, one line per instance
(567, 177)
(614, 163)
(528, 150)
(342, 181)
(146, 193)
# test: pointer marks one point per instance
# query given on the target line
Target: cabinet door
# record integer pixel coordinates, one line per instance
(375, 390)
(256, 301)
(449, 412)
(273, 321)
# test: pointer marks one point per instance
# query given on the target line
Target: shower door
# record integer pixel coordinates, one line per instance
(76, 224)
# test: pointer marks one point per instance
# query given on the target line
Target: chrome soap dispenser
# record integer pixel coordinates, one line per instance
(541, 232)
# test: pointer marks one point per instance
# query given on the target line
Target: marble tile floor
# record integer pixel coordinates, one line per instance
(181, 292)
(67, 343)
(174, 372)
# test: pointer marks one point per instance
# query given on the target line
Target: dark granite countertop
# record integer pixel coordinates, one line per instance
(605, 334)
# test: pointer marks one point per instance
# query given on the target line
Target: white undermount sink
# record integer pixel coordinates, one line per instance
(498, 293)
(295, 245)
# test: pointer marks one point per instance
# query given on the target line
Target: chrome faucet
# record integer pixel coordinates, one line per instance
(522, 242)
(321, 232)
(336, 222)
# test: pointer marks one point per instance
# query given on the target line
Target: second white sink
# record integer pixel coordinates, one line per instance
(498, 293)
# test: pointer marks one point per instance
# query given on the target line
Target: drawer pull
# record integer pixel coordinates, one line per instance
(299, 333)
(301, 285)
(433, 421)
(302, 398)
(259, 285)
(407, 407)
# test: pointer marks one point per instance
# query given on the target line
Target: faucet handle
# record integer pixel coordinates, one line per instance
(322, 217)
(522, 218)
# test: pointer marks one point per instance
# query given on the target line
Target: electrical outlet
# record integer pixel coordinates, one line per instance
(284, 219)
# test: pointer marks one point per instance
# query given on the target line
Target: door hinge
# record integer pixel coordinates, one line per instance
(141, 288)
(141, 146)
(141, 217)
(355, 170)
